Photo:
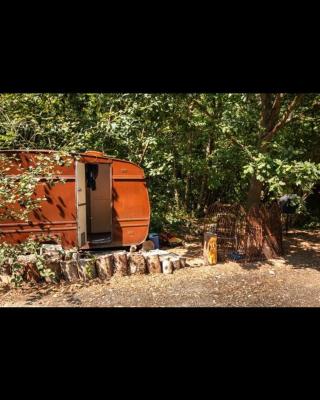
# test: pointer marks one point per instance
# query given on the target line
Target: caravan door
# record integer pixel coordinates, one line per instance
(81, 203)
(100, 201)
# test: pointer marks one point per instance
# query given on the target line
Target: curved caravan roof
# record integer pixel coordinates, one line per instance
(88, 154)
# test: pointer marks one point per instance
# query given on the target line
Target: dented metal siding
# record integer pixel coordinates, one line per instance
(58, 214)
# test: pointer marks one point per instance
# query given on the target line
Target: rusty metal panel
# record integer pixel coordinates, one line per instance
(131, 207)
(57, 216)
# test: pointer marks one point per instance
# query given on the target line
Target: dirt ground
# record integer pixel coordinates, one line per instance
(292, 281)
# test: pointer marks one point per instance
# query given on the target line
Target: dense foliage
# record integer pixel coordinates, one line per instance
(194, 148)
(20, 188)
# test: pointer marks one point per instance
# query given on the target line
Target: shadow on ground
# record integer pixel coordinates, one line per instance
(302, 249)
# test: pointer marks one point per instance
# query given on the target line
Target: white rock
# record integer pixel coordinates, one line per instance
(272, 273)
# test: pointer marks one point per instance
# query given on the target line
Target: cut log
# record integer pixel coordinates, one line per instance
(6, 271)
(87, 269)
(153, 264)
(54, 265)
(29, 270)
(52, 255)
(104, 266)
(31, 258)
(31, 273)
(71, 255)
(51, 250)
(70, 270)
(183, 262)
(175, 262)
(137, 264)
(167, 267)
(6, 267)
(158, 252)
(210, 248)
(120, 263)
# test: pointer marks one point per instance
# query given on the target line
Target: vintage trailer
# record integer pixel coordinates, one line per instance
(103, 202)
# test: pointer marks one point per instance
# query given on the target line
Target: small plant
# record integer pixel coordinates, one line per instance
(18, 188)
(89, 267)
(10, 255)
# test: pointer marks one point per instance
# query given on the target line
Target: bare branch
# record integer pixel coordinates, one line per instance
(276, 108)
(287, 115)
(144, 152)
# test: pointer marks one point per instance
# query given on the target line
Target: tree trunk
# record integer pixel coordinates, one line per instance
(187, 191)
(176, 198)
(104, 266)
(254, 193)
(201, 205)
(176, 188)
(204, 183)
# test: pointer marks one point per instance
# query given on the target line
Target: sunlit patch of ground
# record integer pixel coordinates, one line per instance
(290, 281)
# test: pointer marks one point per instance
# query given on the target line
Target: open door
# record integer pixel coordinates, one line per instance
(81, 203)
(100, 202)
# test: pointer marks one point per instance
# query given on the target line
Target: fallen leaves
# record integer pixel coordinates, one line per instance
(282, 282)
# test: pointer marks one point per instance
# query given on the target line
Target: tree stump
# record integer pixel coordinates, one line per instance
(210, 248)
(6, 271)
(6, 267)
(176, 264)
(54, 265)
(104, 266)
(70, 270)
(51, 250)
(30, 272)
(120, 263)
(137, 264)
(86, 269)
(153, 264)
(71, 255)
(167, 267)
(183, 262)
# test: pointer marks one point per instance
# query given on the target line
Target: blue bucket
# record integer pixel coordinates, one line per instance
(155, 239)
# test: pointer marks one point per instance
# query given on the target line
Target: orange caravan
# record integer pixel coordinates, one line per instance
(96, 201)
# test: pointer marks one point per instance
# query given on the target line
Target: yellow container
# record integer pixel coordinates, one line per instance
(210, 249)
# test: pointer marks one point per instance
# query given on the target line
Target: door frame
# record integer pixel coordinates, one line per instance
(82, 204)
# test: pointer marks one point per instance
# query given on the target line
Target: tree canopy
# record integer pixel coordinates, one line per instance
(194, 148)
